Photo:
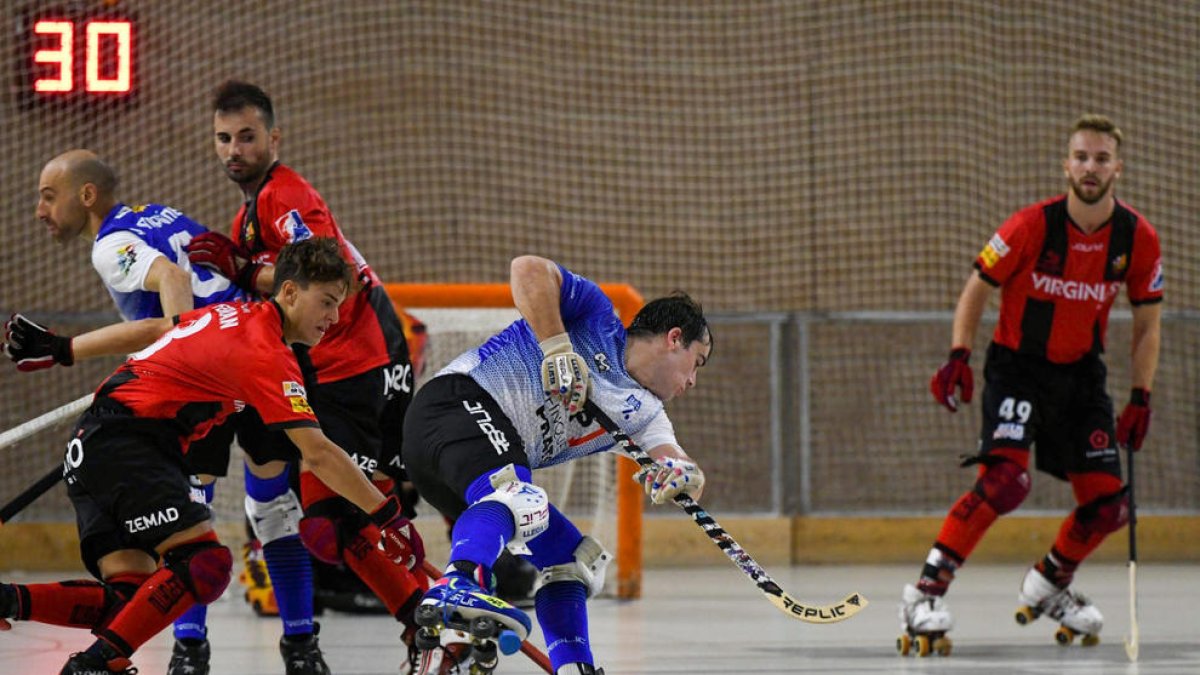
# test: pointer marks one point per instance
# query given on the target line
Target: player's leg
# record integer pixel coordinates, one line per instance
(572, 568)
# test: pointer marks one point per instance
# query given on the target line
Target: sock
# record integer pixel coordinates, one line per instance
(74, 604)
(192, 624)
(965, 525)
(939, 569)
(287, 562)
(562, 614)
(481, 532)
(1056, 567)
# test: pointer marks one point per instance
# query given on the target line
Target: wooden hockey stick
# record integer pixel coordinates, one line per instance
(536, 655)
(31, 493)
(804, 611)
(1131, 640)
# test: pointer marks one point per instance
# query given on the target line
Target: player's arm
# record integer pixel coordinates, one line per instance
(34, 347)
(537, 291)
(173, 285)
(955, 373)
(335, 468)
(264, 281)
(1134, 421)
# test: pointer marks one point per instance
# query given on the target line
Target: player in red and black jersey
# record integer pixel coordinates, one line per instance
(362, 372)
(144, 531)
(1059, 265)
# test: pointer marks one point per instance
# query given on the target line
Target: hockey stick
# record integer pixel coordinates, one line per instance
(527, 648)
(43, 422)
(31, 493)
(796, 609)
(1131, 640)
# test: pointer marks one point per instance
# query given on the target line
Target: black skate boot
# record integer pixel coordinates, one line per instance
(579, 669)
(83, 663)
(8, 605)
(303, 657)
(190, 657)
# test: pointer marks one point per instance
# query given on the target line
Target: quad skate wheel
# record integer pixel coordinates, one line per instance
(904, 644)
(484, 657)
(1064, 636)
(1090, 640)
(483, 627)
(924, 646)
(427, 639)
(1025, 615)
(942, 646)
(428, 615)
(509, 641)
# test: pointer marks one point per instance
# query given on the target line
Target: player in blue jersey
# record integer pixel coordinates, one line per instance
(476, 431)
(139, 253)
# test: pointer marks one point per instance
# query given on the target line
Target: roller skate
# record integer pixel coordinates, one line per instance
(1075, 614)
(458, 616)
(303, 657)
(259, 593)
(925, 620)
(190, 657)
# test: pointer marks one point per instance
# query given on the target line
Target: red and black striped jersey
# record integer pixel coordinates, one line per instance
(285, 209)
(214, 362)
(1059, 283)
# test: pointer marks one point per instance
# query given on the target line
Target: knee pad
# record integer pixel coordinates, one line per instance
(528, 503)
(204, 568)
(591, 562)
(275, 519)
(1003, 485)
(1106, 514)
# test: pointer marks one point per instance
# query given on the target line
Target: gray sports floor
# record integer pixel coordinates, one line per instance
(713, 620)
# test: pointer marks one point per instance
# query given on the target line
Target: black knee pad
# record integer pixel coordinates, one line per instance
(1003, 485)
(1106, 514)
(204, 567)
(331, 527)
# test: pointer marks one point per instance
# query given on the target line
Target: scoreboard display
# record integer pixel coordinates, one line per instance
(75, 53)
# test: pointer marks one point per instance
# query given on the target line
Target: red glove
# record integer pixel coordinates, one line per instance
(399, 538)
(218, 252)
(1134, 421)
(956, 372)
(33, 347)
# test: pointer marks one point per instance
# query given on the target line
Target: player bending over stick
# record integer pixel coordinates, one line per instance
(144, 531)
(516, 403)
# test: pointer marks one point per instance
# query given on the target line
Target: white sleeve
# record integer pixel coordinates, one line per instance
(658, 432)
(123, 260)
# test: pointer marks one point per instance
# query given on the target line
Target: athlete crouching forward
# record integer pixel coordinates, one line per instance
(144, 529)
(477, 430)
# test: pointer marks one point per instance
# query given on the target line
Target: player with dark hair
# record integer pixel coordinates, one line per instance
(516, 403)
(1059, 264)
(144, 532)
(363, 377)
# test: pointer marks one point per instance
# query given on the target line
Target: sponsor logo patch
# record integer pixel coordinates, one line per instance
(1156, 282)
(126, 257)
(293, 227)
(294, 389)
(300, 405)
(1009, 431)
(996, 249)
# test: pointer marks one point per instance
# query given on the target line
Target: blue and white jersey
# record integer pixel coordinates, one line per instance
(131, 238)
(509, 366)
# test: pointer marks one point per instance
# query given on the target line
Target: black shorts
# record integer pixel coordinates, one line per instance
(1062, 409)
(210, 455)
(398, 385)
(453, 433)
(130, 486)
(349, 411)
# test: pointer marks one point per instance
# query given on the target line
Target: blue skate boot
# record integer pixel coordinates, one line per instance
(457, 610)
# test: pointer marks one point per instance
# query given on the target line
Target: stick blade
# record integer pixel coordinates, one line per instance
(810, 613)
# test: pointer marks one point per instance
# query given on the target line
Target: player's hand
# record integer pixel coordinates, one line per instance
(564, 373)
(33, 347)
(399, 539)
(1134, 421)
(671, 477)
(955, 373)
(218, 252)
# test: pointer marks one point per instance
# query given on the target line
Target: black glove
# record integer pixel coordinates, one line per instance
(33, 347)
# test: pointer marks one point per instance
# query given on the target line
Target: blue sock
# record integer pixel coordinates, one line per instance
(562, 613)
(191, 624)
(287, 562)
(480, 534)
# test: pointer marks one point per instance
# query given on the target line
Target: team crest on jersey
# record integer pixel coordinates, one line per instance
(632, 405)
(126, 257)
(1156, 282)
(1119, 263)
(601, 362)
(293, 227)
(996, 249)
(138, 208)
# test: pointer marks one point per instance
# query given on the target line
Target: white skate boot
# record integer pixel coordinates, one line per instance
(925, 620)
(1075, 614)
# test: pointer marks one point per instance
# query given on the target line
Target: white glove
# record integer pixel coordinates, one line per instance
(670, 477)
(564, 373)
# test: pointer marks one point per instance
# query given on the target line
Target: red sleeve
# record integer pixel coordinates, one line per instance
(1144, 283)
(276, 390)
(290, 213)
(1003, 253)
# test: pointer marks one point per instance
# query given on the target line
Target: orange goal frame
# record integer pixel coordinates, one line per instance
(629, 496)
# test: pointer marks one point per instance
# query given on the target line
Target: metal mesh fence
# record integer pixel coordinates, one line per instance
(770, 157)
